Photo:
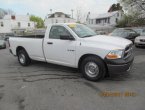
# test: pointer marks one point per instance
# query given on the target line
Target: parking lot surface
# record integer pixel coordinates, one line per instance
(43, 86)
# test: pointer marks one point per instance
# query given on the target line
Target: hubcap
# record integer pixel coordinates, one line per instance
(91, 69)
(22, 58)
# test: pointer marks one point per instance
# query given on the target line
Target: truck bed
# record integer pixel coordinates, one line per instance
(30, 36)
(32, 43)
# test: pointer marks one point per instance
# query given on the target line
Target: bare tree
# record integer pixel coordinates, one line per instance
(134, 7)
(130, 4)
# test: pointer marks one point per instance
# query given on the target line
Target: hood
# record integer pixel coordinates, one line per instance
(141, 37)
(109, 41)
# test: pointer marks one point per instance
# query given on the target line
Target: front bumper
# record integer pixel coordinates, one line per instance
(140, 43)
(119, 65)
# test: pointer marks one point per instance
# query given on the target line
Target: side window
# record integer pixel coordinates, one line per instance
(28, 24)
(57, 31)
(19, 24)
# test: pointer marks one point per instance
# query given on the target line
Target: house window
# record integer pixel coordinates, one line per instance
(117, 14)
(98, 21)
(2, 24)
(59, 15)
(56, 21)
(28, 24)
(116, 20)
(109, 20)
(105, 20)
(92, 21)
(19, 24)
(52, 20)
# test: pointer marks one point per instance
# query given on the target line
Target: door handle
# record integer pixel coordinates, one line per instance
(50, 43)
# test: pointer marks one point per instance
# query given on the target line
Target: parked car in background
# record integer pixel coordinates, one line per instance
(2, 43)
(140, 41)
(8, 35)
(139, 30)
(101, 32)
(125, 33)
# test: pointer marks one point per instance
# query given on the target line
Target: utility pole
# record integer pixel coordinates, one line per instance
(88, 17)
(50, 11)
(72, 12)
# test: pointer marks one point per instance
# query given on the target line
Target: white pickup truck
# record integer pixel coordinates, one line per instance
(75, 45)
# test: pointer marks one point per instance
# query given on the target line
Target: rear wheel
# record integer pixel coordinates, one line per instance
(93, 68)
(23, 58)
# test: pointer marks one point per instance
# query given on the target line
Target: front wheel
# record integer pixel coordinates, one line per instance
(23, 58)
(93, 68)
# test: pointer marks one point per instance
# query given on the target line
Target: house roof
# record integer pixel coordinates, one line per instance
(58, 13)
(106, 15)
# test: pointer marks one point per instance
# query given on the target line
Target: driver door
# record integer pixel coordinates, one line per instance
(60, 51)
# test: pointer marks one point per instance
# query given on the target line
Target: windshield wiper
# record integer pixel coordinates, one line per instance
(87, 36)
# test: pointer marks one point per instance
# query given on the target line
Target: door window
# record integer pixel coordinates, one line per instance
(57, 31)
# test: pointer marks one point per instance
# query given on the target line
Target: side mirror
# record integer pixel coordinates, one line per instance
(66, 37)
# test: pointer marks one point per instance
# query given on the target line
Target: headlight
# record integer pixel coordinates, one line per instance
(115, 54)
(137, 40)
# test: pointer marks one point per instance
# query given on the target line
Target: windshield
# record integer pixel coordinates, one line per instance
(138, 30)
(82, 31)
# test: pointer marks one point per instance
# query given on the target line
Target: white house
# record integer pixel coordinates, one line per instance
(58, 17)
(11, 22)
(109, 19)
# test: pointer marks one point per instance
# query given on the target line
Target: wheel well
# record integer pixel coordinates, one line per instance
(87, 55)
(19, 48)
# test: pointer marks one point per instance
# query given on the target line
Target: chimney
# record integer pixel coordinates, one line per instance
(13, 17)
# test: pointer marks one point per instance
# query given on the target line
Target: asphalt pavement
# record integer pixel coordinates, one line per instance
(43, 86)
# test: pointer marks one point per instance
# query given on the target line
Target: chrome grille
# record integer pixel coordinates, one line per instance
(142, 40)
(128, 51)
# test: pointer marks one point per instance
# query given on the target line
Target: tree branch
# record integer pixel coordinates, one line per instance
(139, 5)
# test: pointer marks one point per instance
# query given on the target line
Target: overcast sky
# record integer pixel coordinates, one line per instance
(42, 7)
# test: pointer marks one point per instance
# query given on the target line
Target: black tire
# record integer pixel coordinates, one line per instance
(100, 65)
(27, 60)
